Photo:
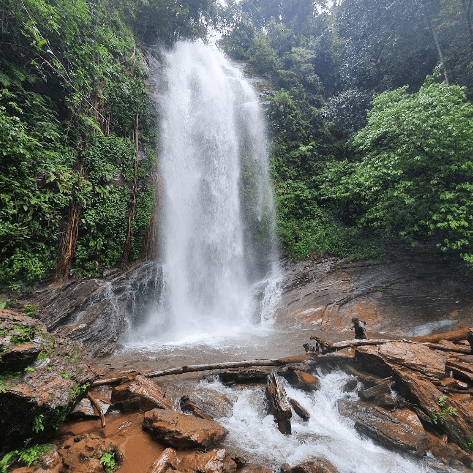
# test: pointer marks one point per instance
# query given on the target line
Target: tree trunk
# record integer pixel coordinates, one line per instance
(467, 9)
(132, 206)
(68, 244)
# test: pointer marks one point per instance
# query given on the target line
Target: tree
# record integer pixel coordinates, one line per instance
(415, 175)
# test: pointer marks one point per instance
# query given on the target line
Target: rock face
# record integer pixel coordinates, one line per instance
(182, 431)
(398, 430)
(35, 398)
(93, 311)
(406, 294)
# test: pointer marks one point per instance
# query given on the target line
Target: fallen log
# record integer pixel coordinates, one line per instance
(98, 408)
(216, 366)
(452, 336)
(329, 347)
(380, 388)
(279, 404)
(128, 376)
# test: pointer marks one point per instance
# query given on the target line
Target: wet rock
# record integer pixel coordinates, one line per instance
(461, 368)
(83, 454)
(380, 388)
(319, 465)
(400, 429)
(250, 375)
(207, 404)
(93, 311)
(254, 468)
(413, 356)
(279, 405)
(37, 399)
(301, 379)
(427, 396)
(17, 358)
(449, 454)
(182, 431)
(141, 394)
(216, 461)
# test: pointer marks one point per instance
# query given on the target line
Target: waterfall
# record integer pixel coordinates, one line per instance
(217, 217)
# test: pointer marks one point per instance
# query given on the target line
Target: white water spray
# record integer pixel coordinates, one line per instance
(327, 434)
(217, 223)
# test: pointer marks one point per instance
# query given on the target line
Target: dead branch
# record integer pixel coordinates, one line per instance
(98, 408)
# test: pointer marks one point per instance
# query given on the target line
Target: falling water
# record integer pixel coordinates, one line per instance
(217, 223)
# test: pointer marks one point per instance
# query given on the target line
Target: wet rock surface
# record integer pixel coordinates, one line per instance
(40, 386)
(94, 311)
(182, 431)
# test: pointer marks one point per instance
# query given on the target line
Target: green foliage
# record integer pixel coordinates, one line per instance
(109, 459)
(440, 417)
(38, 423)
(7, 461)
(414, 175)
(33, 455)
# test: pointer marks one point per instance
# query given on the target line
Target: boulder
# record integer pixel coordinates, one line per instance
(215, 461)
(318, 465)
(413, 356)
(301, 379)
(182, 431)
(399, 430)
(141, 394)
(83, 454)
(35, 400)
(207, 404)
(254, 468)
(84, 408)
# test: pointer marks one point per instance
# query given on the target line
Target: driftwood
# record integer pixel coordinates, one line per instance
(299, 410)
(327, 347)
(128, 376)
(280, 407)
(98, 408)
(216, 366)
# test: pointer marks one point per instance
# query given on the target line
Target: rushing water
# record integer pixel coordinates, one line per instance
(217, 218)
(326, 434)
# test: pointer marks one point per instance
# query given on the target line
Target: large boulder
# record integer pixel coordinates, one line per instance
(182, 431)
(318, 465)
(215, 461)
(399, 430)
(34, 399)
(141, 394)
(207, 404)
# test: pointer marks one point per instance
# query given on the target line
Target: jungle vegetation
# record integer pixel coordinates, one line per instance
(368, 103)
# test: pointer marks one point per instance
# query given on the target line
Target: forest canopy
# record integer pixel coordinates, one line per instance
(371, 119)
(368, 103)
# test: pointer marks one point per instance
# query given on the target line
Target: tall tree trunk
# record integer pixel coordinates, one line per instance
(132, 205)
(437, 44)
(149, 246)
(68, 244)
(467, 9)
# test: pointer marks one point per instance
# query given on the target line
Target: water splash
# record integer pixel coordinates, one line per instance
(217, 223)
(326, 434)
